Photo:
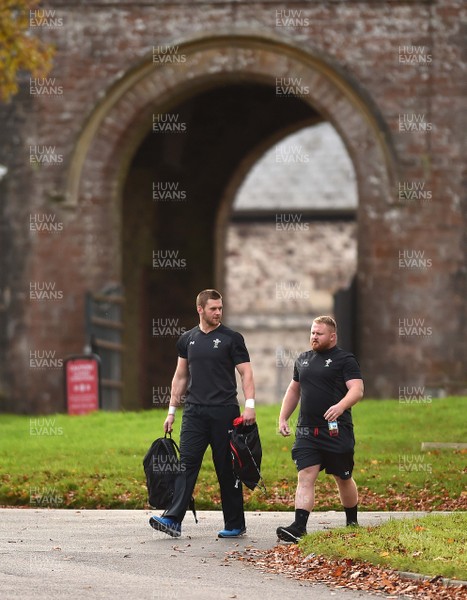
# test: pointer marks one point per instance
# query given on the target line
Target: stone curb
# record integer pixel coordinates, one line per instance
(420, 577)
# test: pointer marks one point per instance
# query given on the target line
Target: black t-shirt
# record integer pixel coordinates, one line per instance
(322, 377)
(212, 358)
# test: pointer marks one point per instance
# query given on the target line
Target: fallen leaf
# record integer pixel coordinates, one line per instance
(355, 575)
(288, 560)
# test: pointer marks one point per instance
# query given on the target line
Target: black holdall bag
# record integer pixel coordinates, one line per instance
(162, 466)
(246, 451)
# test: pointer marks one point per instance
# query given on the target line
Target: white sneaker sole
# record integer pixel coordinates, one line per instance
(286, 536)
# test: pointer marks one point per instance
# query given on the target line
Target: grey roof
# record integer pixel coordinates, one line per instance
(310, 169)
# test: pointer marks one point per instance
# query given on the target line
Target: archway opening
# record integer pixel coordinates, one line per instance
(225, 76)
(292, 251)
(172, 196)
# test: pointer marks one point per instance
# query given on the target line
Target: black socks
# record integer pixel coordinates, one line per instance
(301, 518)
(351, 515)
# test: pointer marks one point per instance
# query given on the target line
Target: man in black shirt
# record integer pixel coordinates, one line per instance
(327, 382)
(208, 356)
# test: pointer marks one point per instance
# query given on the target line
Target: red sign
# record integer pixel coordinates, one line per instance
(82, 384)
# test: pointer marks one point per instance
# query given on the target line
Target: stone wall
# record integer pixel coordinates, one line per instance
(277, 282)
(289, 273)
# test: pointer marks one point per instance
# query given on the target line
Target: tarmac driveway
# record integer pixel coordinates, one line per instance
(114, 554)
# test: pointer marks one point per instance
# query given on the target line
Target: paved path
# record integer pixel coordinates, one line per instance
(114, 554)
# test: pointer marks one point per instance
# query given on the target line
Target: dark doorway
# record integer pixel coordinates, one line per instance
(171, 200)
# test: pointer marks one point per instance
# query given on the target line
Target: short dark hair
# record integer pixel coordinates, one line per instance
(205, 295)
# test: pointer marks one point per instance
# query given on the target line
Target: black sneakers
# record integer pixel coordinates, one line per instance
(291, 534)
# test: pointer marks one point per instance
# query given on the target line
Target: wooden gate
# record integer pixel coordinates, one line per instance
(104, 329)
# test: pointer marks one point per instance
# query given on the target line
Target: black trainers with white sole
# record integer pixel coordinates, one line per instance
(291, 534)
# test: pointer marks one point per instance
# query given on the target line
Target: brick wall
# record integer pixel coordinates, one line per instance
(371, 68)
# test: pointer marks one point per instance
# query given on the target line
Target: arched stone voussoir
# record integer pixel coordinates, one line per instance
(120, 122)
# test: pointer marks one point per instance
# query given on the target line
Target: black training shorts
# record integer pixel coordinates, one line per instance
(305, 454)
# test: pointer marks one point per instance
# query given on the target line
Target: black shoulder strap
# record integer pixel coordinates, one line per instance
(168, 436)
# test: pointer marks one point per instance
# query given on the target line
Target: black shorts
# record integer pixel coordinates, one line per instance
(305, 454)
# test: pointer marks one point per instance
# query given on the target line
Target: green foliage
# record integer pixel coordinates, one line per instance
(19, 49)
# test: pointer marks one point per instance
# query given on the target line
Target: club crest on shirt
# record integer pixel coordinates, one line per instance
(217, 341)
(328, 361)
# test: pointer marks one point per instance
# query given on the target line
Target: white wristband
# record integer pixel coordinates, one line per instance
(172, 409)
(250, 403)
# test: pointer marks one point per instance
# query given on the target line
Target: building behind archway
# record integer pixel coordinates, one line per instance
(183, 98)
(292, 252)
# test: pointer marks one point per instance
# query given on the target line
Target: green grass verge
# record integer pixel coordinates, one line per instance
(432, 545)
(95, 461)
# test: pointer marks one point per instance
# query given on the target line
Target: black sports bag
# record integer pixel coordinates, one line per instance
(245, 447)
(162, 466)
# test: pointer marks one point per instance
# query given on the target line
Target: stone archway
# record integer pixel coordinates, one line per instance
(118, 126)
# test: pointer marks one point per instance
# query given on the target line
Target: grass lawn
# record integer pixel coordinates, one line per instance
(432, 545)
(95, 461)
